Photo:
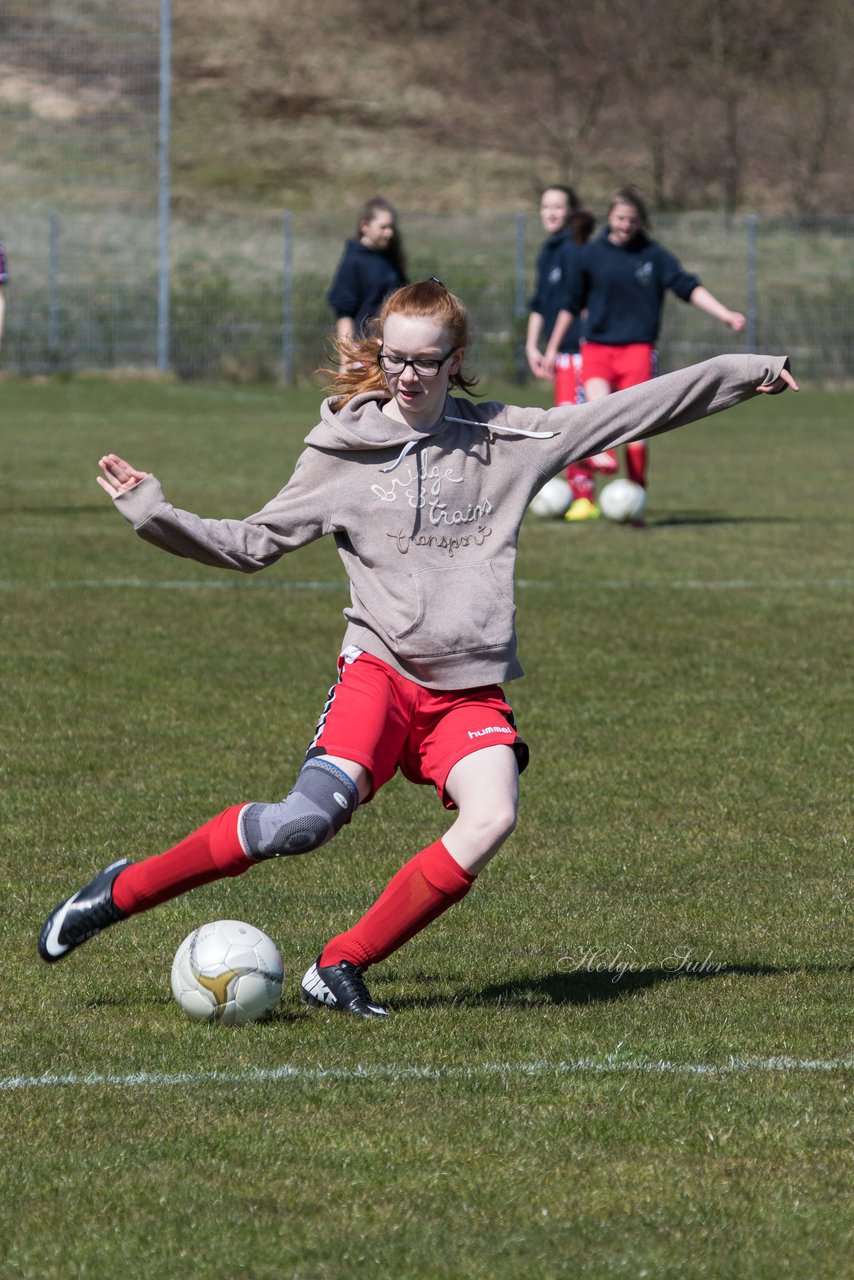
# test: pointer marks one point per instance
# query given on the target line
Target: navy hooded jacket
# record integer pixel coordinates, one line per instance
(623, 288)
(557, 263)
(364, 279)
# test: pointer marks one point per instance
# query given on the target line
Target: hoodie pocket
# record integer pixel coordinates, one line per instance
(458, 610)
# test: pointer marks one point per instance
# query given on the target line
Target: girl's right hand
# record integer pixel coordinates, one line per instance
(119, 476)
(535, 361)
(780, 384)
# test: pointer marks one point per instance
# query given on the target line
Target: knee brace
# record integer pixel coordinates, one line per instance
(322, 801)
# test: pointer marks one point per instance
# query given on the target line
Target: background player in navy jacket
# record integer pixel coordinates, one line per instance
(567, 228)
(372, 266)
(621, 281)
(556, 265)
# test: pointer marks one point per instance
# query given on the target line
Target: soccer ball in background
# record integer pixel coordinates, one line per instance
(228, 972)
(622, 501)
(553, 500)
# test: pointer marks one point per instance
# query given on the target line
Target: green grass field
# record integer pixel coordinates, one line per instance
(627, 1054)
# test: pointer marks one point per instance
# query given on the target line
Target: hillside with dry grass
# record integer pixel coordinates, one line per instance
(304, 105)
(730, 104)
(706, 104)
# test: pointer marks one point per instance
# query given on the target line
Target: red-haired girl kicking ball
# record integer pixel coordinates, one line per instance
(424, 494)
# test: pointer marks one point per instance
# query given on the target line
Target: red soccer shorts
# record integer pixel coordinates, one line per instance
(620, 367)
(379, 719)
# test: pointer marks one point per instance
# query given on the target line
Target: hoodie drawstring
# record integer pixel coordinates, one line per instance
(471, 422)
(410, 444)
(500, 427)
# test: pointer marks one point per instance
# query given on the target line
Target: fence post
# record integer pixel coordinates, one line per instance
(288, 299)
(163, 187)
(520, 309)
(752, 334)
(53, 353)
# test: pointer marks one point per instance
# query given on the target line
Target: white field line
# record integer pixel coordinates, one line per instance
(241, 584)
(612, 1065)
(167, 584)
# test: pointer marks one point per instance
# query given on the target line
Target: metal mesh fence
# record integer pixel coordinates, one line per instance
(248, 294)
(793, 277)
(79, 114)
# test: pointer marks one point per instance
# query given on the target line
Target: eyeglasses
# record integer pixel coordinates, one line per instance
(421, 365)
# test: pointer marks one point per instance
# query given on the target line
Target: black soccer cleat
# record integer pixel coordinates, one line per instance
(81, 916)
(339, 986)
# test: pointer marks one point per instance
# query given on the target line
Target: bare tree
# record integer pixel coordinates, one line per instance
(722, 103)
(534, 79)
(815, 122)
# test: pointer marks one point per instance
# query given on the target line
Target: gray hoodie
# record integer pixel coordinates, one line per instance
(427, 522)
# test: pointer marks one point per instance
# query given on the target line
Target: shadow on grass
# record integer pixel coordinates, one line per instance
(676, 519)
(580, 987)
(80, 509)
(283, 1015)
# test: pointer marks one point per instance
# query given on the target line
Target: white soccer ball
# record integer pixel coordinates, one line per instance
(622, 501)
(228, 972)
(553, 500)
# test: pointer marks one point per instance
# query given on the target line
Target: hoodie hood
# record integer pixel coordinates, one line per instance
(361, 425)
(369, 251)
(639, 241)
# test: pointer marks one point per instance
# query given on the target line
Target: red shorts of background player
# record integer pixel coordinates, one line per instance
(385, 722)
(620, 367)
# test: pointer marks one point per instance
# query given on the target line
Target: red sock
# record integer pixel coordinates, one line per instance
(208, 854)
(566, 381)
(636, 454)
(581, 481)
(426, 886)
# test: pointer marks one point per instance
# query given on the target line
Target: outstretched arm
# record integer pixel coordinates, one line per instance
(661, 404)
(670, 401)
(297, 515)
(706, 301)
